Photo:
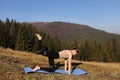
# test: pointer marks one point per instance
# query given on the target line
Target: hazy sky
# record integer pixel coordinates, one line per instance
(99, 14)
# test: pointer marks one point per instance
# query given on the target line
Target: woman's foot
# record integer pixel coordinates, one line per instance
(36, 68)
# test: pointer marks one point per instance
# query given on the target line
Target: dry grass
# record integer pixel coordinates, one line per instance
(13, 62)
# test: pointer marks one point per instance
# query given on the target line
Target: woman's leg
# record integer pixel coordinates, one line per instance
(51, 63)
(51, 58)
(44, 51)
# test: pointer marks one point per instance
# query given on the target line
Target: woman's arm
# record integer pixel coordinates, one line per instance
(65, 65)
(69, 62)
(69, 65)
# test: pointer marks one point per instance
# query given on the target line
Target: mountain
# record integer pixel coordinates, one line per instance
(72, 31)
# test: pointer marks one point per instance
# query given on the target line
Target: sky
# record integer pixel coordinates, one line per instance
(99, 14)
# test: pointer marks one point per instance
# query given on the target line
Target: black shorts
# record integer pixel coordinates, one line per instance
(53, 55)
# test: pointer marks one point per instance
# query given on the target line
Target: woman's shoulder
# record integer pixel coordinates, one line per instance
(65, 50)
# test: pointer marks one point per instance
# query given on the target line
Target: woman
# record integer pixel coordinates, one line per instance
(65, 54)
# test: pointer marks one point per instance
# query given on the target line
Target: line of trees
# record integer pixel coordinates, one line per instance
(20, 36)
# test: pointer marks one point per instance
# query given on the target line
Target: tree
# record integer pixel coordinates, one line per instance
(107, 54)
(20, 42)
(85, 51)
(114, 49)
(2, 32)
(6, 32)
(25, 37)
(75, 44)
(100, 52)
(13, 34)
(30, 31)
(96, 51)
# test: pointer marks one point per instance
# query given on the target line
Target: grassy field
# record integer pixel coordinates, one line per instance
(12, 64)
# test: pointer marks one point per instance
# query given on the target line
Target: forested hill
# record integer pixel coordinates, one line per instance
(21, 36)
(71, 31)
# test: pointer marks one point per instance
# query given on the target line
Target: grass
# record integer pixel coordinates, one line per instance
(13, 62)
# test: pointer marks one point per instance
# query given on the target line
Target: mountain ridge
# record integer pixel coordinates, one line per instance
(73, 31)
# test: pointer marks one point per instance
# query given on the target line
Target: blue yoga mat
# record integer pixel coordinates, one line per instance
(76, 71)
